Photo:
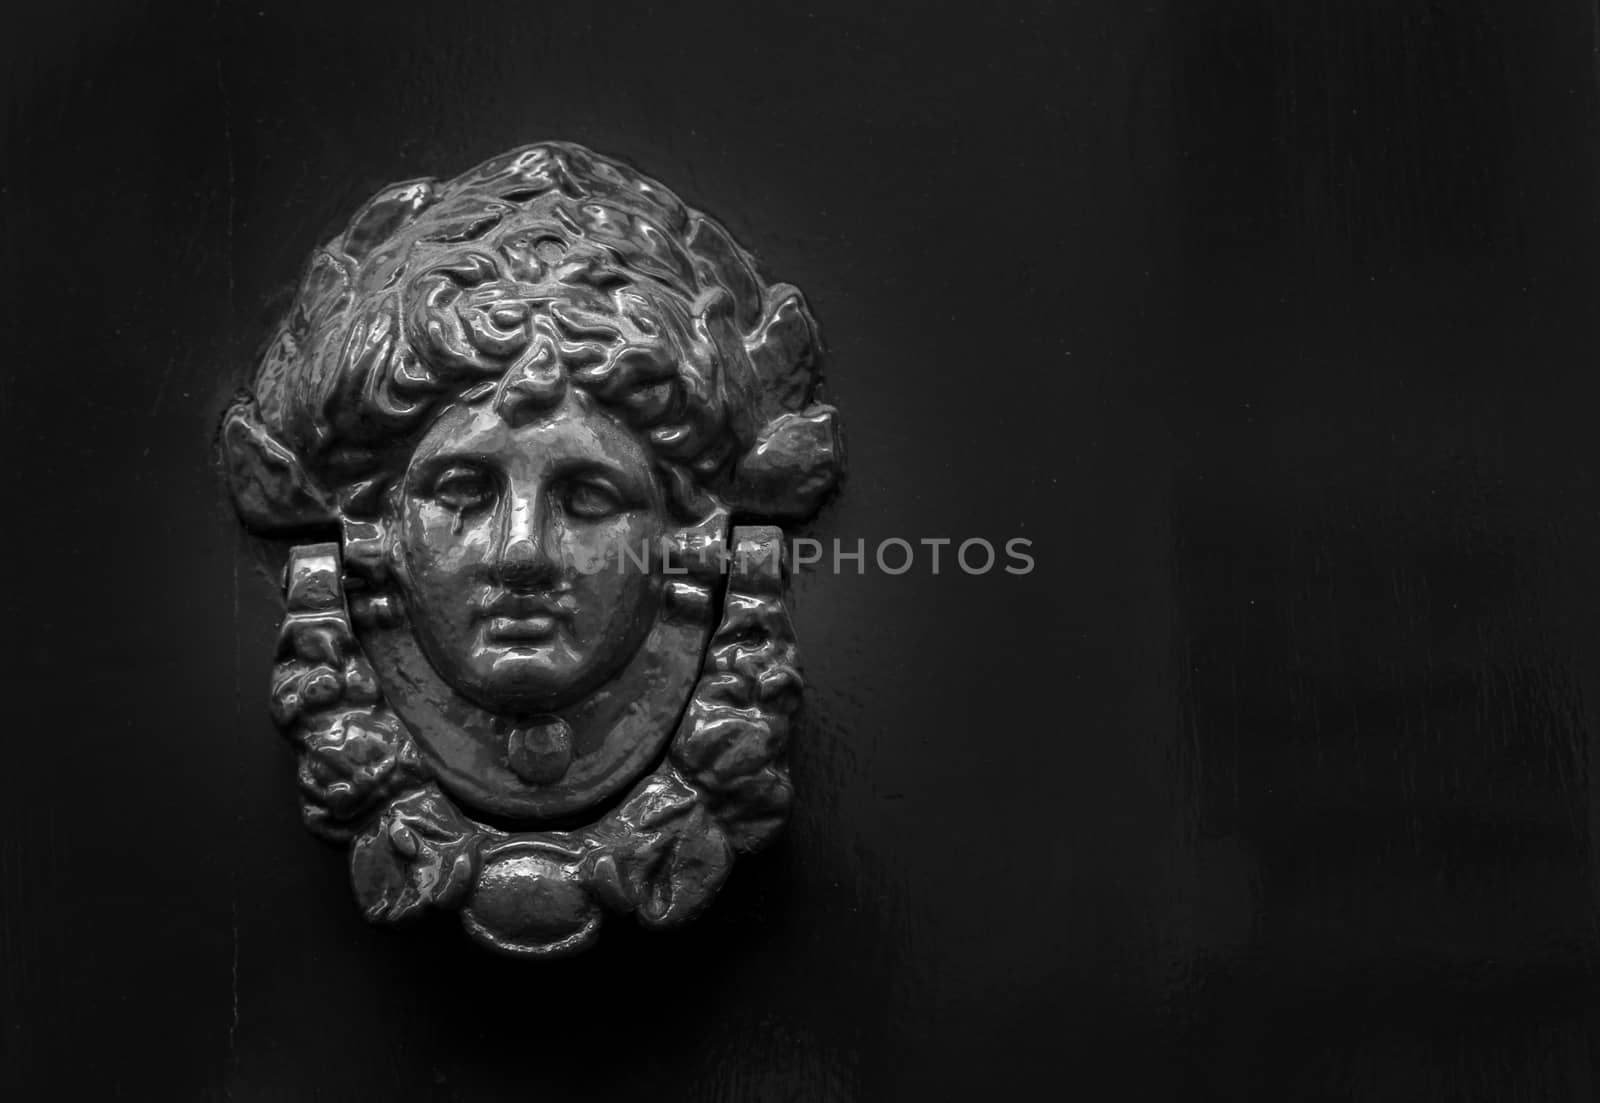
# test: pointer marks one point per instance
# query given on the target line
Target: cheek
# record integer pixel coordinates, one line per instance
(439, 544)
(633, 532)
(621, 586)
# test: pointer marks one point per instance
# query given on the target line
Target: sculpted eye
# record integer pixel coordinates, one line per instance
(592, 498)
(463, 488)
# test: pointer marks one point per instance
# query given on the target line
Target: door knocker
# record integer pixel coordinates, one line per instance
(532, 434)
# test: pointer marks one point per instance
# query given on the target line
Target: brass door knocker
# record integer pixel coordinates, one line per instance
(532, 667)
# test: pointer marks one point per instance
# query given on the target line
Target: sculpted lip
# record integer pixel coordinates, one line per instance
(534, 629)
(523, 618)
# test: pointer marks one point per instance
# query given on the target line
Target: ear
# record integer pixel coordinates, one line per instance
(271, 491)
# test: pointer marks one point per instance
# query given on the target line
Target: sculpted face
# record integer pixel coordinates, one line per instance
(429, 403)
(501, 527)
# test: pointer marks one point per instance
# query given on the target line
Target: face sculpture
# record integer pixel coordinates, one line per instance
(512, 533)
(531, 669)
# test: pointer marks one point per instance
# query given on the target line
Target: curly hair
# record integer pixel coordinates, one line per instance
(545, 268)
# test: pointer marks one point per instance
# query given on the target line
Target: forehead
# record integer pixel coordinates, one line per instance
(577, 430)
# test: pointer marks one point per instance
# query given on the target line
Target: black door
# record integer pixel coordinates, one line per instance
(1267, 326)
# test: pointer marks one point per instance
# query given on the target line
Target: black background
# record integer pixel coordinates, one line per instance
(1270, 323)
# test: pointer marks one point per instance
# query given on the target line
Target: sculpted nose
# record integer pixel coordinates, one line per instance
(525, 557)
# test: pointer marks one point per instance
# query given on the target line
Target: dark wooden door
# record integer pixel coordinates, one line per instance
(1270, 324)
